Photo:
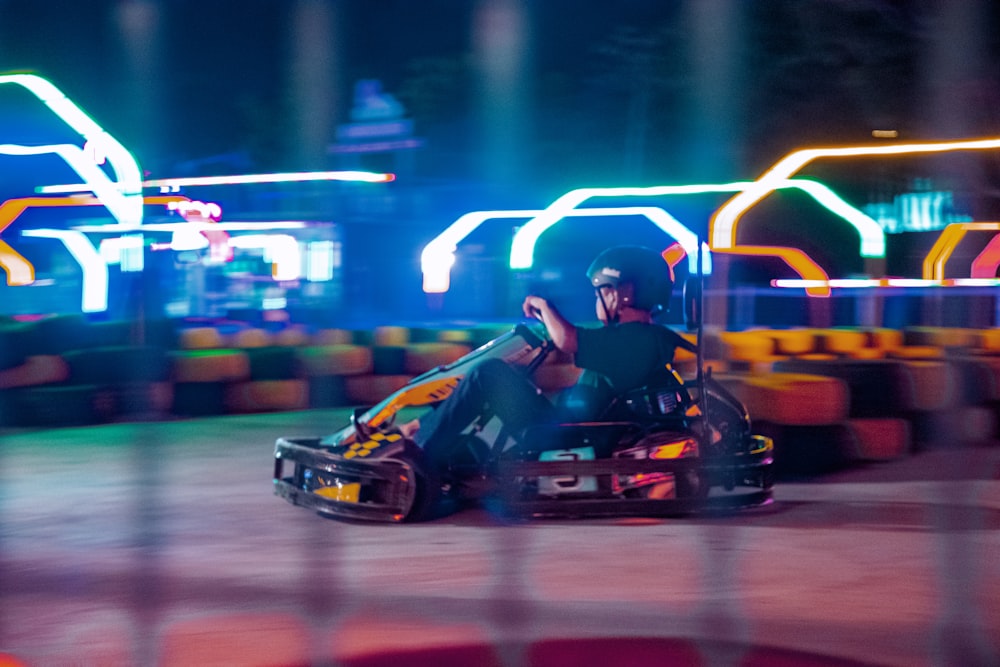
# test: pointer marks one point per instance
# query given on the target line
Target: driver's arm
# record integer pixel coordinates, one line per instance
(561, 331)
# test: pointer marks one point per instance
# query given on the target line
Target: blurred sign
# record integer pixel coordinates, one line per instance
(377, 123)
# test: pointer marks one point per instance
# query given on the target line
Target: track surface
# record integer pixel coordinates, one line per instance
(162, 544)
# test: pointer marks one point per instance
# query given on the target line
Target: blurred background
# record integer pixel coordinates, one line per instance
(265, 213)
(492, 105)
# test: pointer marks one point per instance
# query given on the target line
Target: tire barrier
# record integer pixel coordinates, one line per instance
(793, 399)
(336, 359)
(60, 405)
(980, 378)
(294, 336)
(266, 396)
(328, 391)
(842, 342)
(794, 342)
(14, 348)
(35, 370)
(885, 339)
(389, 359)
(115, 365)
(829, 397)
(390, 336)
(878, 387)
(251, 338)
(199, 399)
(884, 439)
(370, 389)
(942, 337)
(332, 337)
(200, 338)
(746, 347)
(987, 340)
(937, 385)
(111, 383)
(463, 336)
(192, 366)
(959, 427)
(273, 363)
(915, 352)
(421, 357)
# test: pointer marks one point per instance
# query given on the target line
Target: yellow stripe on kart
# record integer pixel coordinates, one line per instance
(424, 393)
(347, 493)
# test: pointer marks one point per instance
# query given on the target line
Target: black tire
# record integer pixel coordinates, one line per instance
(429, 501)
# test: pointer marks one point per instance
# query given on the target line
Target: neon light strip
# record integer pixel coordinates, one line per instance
(985, 264)
(946, 243)
(196, 226)
(722, 226)
(19, 270)
(124, 198)
(118, 205)
(241, 179)
(886, 282)
(438, 256)
(523, 245)
(522, 248)
(799, 261)
(871, 233)
(95, 271)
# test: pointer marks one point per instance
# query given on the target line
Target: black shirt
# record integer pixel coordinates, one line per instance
(616, 359)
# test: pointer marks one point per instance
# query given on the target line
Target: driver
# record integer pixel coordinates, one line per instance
(632, 284)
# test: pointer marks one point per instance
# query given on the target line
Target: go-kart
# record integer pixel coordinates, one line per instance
(672, 449)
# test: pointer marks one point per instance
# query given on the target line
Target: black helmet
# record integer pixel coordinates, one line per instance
(642, 277)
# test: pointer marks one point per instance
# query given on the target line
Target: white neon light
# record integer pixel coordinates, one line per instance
(522, 247)
(94, 270)
(124, 198)
(187, 239)
(871, 233)
(173, 184)
(122, 207)
(438, 256)
(196, 226)
(887, 282)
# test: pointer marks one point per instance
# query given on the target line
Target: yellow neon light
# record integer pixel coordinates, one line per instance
(946, 243)
(798, 260)
(19, 270)
(722, 226)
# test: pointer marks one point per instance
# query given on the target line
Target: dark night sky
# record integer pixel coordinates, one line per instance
(217, 53)
(811, 70)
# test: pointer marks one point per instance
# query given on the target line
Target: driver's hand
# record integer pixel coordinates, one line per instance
(533, 306)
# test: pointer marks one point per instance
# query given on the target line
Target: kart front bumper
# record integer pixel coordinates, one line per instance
(308, 475)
